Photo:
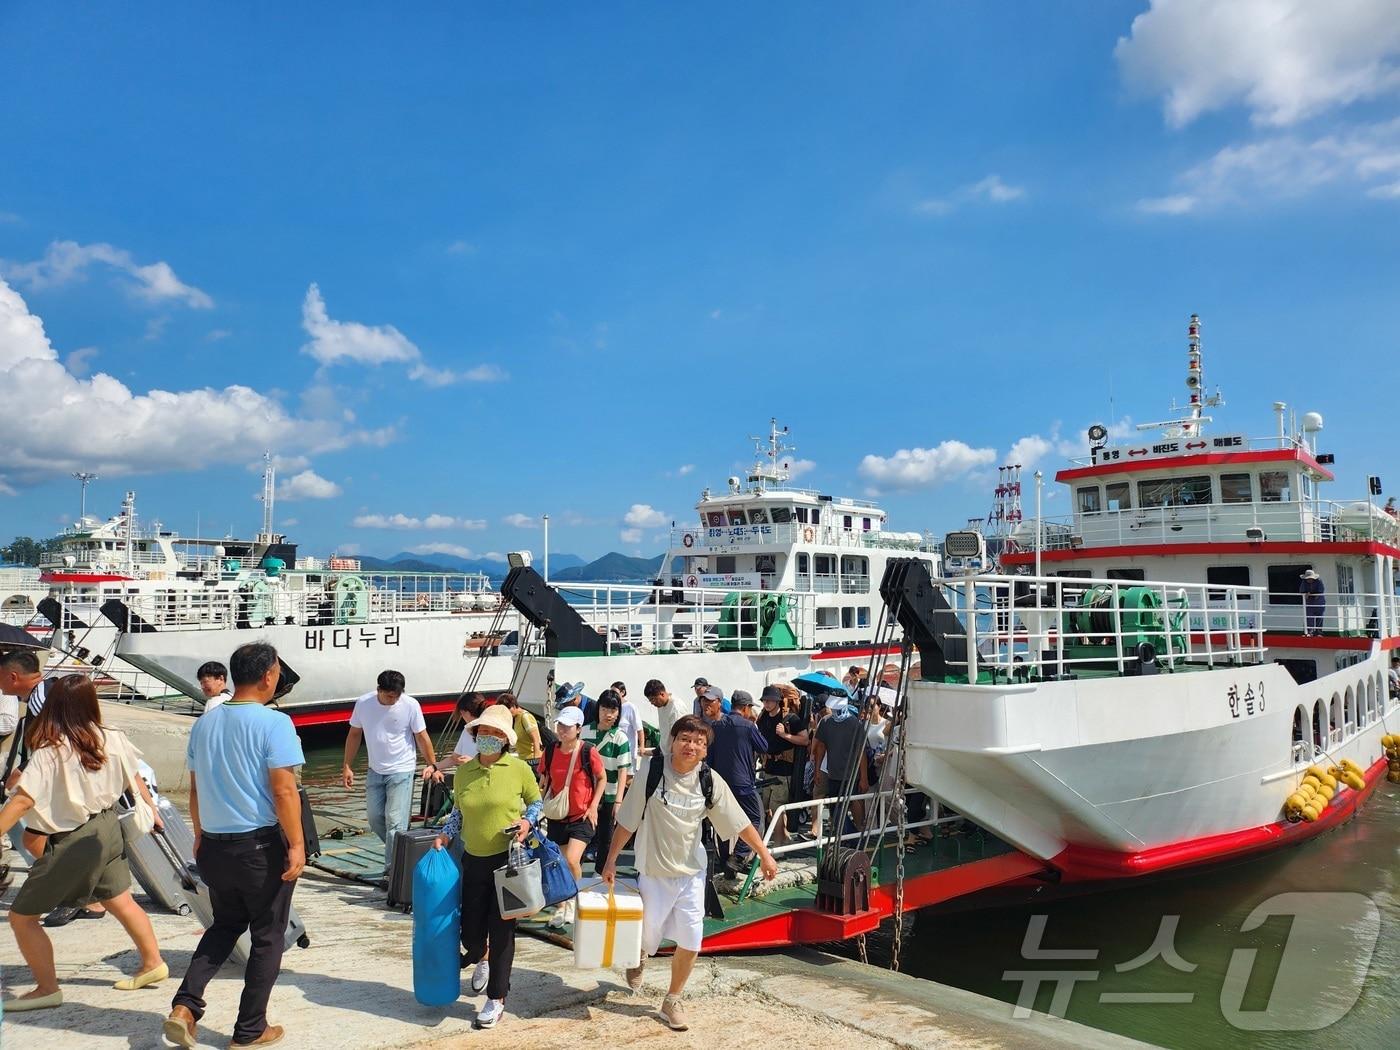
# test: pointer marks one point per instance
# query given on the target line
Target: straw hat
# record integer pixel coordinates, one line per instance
(498, 718)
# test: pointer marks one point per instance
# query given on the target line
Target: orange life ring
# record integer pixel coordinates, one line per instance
(808, 534)
(688, 540)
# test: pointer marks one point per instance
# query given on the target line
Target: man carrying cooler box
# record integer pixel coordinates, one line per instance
(671, 861)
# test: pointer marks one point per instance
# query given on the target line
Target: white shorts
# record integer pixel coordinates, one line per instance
(673, 909)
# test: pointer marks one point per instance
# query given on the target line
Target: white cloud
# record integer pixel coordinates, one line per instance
(335, 341)
(684, 469)
(8, 217)
(282, 464)
(493, 556)
(989, 190)
(405, 522)
(79, 362)
(797, 467)
(217, 334)
(66, 261)
(1285, 60)
(287, 523)
(348, 549)
(47, 416)
(642, 516)
(1286, 167)
(461, 248)
(918, 467)
(1029, 450)
(455, 549)
(630, 535)
(307, 485)
(521, 521)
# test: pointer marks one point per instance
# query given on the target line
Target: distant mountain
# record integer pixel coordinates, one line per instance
(610, 568)
(405, 561)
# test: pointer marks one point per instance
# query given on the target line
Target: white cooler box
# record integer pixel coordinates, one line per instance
(608, 933)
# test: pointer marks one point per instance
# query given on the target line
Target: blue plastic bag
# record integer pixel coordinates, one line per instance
(556, 879)
(437, 926)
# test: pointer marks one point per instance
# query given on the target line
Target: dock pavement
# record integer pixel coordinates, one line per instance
(352, 989)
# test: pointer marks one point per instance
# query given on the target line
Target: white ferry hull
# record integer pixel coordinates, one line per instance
(1115, 777)
(336, 663)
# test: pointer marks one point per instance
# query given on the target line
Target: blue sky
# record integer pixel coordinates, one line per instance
(458, 266)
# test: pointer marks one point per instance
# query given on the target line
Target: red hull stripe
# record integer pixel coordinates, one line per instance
(81, 577)
(325, 716)
(1204, 459)
(1365, 548)
(1086, 864)
(809, 926)
(854, 653)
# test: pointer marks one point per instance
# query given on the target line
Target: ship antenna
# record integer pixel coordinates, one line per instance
(268, 497)
(1190, 423)
(769, 465)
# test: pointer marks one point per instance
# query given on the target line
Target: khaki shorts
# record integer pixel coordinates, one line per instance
(78, 867)
(774, 794)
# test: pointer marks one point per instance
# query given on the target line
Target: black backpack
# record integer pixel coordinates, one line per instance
(655, 770)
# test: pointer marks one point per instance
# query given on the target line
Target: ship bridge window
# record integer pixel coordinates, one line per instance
(1283, 584)
(716, 519)
(847, 523)
(1087, 500)
(1175, 492)
(1274, 486)
(781, 515)
(1236, 488)
(758, 516)
(1226, 576)
(736, 516)
(816, 516)
(801, 513)
(1118, 496)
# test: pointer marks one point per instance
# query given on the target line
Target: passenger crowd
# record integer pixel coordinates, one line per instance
(605, 777)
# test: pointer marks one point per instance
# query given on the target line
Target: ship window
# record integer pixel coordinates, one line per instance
(758, 516)
(863, 616)
(802, 514)
(764, 563)
(736, 517)
(1087, 500)
(1226, 576)
(848, 617)
(802, 564)
(1283, 584)
(1175, 492)
(1118, 496)
(847, 525)
(716, 519)
(724, 564)
(782, 515)
(816, 516)
(1236, 488)
(1127, 574)
(1273, 486)
(865, 524)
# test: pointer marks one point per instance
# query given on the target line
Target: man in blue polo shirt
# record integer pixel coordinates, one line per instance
(242, 758)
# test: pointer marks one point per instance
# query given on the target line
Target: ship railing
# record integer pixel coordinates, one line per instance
(1346, 614)
(723, 537)
(650, 618)
(1041, 626)
(879, 817)
(332, 602)
(1310, 521)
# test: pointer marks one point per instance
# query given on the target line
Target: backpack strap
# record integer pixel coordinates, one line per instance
(707, 784)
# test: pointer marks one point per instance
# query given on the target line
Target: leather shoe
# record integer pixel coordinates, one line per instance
(179, 1027)
(271, 1034)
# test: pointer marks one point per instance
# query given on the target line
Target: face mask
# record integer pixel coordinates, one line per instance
(490, 745)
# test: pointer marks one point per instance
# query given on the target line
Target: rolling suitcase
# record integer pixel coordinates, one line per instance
(203, 909)
(150, 858)
(409, 848)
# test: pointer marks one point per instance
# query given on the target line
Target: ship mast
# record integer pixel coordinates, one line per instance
(1190, 424)
(268, 497)
(769, 465)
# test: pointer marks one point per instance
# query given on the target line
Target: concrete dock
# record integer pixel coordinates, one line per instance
(353, 988)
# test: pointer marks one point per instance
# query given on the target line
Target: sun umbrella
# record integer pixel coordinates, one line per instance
(12, 638)
(820, 682)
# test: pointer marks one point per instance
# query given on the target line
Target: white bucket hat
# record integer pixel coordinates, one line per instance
(496, 717)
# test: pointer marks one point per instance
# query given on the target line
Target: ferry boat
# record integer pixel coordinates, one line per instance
(770, 580)
(1112, 725)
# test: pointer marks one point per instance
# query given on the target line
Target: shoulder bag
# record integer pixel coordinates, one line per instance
(556, 807)
(142, 820)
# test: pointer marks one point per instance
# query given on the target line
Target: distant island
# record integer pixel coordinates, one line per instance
(610, 568)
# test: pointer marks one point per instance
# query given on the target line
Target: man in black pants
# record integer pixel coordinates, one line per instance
(242, 758)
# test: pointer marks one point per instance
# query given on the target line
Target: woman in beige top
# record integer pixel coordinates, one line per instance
(77, 770)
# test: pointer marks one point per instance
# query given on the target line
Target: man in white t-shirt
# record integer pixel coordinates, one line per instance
(213, 683)
(391, 723)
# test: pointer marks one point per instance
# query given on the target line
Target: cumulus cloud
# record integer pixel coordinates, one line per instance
(684, 469)
(53, 421)
(493, 556)
(405, 522)
(1285, 60)
(921, 467)
(797, 467)
(333, 342)
(67, 261)
(1286, 167)
(642, 516)
(521, 521)
(307, 485)
(280, 463)
(989, 190)
(630, 535)
(455, 549)
(79, 362)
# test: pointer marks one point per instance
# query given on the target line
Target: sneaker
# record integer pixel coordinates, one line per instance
(634, 976)
(562, 916)
(490, 1014)
(672, 1014)
(480, 975)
